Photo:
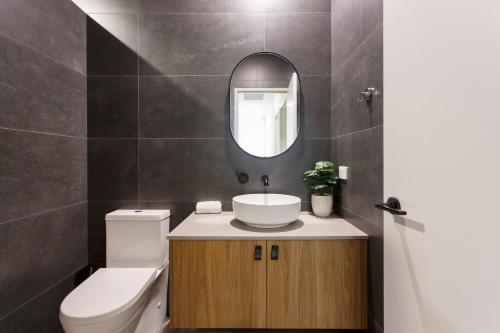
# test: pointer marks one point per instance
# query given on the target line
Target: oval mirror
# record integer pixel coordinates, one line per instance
(264, 104)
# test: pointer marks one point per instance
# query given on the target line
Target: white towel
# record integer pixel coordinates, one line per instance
(209, 207)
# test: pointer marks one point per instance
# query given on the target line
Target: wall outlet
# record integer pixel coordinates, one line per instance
(343, 172)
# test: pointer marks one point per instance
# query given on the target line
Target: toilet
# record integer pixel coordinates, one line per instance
(130, 294)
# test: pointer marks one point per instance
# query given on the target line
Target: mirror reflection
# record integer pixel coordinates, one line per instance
(265, 103)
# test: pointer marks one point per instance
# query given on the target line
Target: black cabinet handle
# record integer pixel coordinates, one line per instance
(274, 252)
(392, 206)
(257, 255)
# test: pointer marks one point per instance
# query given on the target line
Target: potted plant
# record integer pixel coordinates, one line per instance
(320, 182)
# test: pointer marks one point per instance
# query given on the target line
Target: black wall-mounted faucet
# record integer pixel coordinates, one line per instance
(265, 180)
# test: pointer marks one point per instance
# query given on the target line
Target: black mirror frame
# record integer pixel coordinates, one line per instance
(299, 104)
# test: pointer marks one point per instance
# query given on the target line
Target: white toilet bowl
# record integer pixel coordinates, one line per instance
(109, 301)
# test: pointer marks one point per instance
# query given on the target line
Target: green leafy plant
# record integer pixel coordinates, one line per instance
(321, 179)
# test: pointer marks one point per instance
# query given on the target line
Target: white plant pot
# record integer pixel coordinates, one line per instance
(322, 205)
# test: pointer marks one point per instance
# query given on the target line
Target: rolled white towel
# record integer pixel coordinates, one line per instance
(208, 207)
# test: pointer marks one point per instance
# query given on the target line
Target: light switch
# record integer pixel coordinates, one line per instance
(343, 172)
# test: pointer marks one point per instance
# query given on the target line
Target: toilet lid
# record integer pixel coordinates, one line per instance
(105, 293)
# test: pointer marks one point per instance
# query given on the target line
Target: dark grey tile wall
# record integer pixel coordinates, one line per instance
(53, 95)
(41, 314)
(113, 101)
(108, 160)
(39, 251)
(112, 44)
(357, 129)
(198, 44)
(362, 152)
(107, 6)
(303, 37)
(362, 69)
(43, 167)
(53, 28)
(233, 6)
(194, 106)
(183, 150)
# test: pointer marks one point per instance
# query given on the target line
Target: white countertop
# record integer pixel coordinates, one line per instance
(225, 226)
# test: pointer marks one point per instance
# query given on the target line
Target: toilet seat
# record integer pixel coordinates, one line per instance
(106, 294)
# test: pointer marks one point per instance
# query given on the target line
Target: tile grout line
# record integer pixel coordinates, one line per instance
(361, 217)
(184, 138)
(265, 28)
(165, 201)
(170, 201)
(98, 138)
(381, 329)
(85, 176)
(46, 56)
(44, 133)
(378, 327)
(325, 138)
(110, 200)
(361, 44)
(110, 75)
(330, 109)
(138, 104)
(44, 212)
(154, 75)
(40, 294)
(222, 13)
(357, 132)
(187, 75)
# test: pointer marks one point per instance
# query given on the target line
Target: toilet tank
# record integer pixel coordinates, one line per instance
(137, 238)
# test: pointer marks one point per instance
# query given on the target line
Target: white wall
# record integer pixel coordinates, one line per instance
(442, 159)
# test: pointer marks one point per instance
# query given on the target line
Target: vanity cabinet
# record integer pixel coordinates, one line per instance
(317, 284)
(217, 284)
(314, 284)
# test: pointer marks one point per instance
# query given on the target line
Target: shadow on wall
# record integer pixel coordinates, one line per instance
(409, 223)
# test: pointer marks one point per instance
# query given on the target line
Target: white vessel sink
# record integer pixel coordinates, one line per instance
(266, 210)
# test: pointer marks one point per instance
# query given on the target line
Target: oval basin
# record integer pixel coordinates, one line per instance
(266, 210)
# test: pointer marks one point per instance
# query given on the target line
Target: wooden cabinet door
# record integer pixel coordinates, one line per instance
(317, 284)
(217, 284)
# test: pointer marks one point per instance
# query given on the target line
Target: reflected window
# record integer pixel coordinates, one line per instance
(265, 105)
